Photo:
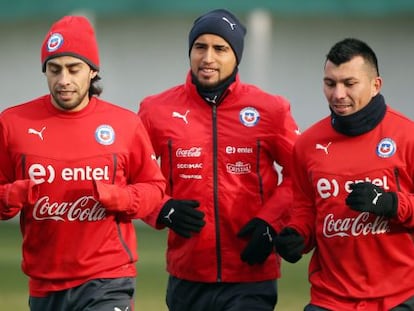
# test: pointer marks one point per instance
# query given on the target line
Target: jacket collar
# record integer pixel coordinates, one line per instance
(191, 89)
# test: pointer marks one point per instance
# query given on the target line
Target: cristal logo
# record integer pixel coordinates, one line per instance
(41, 174)
(354, 226)
(238, 168)
(331, 187)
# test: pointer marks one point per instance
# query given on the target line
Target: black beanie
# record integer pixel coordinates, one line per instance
(222, 23)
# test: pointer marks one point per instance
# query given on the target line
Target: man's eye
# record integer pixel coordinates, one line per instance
(199, 46)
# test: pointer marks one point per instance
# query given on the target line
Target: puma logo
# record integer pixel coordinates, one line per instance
(269, 236)
(35, 132)
(322, 147)
(232, 25)
(172, 210)
(211, 100)
(181, 116)
(377, 195)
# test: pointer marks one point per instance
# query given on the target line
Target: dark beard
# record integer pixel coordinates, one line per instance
(214, 94)
(69, 107)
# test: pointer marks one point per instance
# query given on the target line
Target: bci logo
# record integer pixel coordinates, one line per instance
(40, 173)
(331, 187)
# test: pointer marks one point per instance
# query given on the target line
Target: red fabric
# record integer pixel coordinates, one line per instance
(180, 124)
(360, 259)
(17, 195)
(73, 36)
(20, 193)
(112, 197)
(68, 236)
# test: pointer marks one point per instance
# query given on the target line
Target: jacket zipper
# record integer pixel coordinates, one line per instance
(170, 158)
(397, 178)
(259, 176)
(215, 190)
(121, 237)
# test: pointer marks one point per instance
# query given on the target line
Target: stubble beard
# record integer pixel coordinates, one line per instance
(69, 105)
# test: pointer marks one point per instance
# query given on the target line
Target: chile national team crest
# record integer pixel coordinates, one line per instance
(105, 134)
(386, 148)
(249, 116)
(55, 41)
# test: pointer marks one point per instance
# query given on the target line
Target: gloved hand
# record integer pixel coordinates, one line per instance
(182, 217)
(289, 244)
(260, 244)
(20, 193)
(113, 197)
(366, 197)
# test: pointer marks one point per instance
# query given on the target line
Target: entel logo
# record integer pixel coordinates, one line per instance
(40, 174)
(330, 187)
(231, 150)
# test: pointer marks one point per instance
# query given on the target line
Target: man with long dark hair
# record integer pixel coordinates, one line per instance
(79, 170)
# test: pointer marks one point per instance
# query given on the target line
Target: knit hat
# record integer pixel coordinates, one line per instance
(222, 23)
(71, 36)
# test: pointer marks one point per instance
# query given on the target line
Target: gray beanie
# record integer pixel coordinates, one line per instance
(222, 23)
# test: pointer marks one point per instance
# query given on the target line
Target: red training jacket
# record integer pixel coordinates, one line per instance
(361, 261)
(68, 236)
(222, 156)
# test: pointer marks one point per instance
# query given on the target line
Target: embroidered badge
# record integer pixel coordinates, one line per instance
(386, 148)
(249, 116)
(55, 41)
(105, 134)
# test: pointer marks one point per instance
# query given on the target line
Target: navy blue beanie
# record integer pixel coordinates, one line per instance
(222, 23)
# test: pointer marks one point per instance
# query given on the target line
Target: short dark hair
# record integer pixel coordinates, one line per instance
(343, 51)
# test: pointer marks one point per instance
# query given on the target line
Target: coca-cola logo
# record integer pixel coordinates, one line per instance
(85, 208)
(354, 226)
(193, 152)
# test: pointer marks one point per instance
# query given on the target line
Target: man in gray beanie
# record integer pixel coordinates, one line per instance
(217, 140)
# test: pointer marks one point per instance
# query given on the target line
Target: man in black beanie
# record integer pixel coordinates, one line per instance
(218, 139)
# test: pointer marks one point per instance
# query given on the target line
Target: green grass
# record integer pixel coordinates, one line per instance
(151, 281)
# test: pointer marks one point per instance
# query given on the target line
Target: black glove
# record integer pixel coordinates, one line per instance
(261, 241)
(182, 217)
(366, 197)
(290, 244)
